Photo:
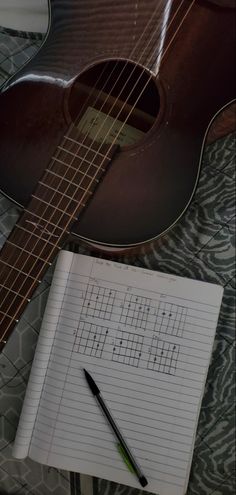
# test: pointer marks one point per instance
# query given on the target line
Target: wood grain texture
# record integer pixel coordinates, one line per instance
(150, 184)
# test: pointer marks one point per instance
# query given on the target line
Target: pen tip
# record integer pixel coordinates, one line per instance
(87, 375)
(94, 388)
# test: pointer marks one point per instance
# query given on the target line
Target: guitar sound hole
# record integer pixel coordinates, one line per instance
(114, 102)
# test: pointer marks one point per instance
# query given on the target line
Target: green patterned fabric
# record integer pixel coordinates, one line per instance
(200, 246)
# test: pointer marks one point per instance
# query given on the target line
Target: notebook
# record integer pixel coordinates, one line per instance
(146, 338)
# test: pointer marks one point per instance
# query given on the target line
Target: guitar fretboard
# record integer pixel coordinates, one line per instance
(63, 192)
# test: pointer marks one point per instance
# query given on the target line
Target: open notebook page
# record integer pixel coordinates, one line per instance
(146, 338)
(40, 363)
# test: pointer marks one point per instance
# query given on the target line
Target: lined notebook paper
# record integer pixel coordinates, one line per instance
(146, 337)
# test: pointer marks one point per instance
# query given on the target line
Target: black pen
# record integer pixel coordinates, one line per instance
(123, 448)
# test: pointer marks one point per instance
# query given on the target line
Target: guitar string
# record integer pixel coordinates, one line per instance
(130, 111)
(92, 91)
(75, 155)
(134, 68)
(147, 82)
(125, 65)
(94, 140)
(109, 77)
(136, 45)
(111, 146)
(135, 64)
(41, 237)
(131, 54)
(100, 93)
(92, 163)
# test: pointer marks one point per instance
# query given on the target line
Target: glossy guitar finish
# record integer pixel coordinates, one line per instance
(150, 184)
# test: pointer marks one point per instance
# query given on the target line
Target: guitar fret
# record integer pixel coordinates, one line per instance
(14, 305)
(71, 168)
(7, 316)
(28, 252)
(19, 271)
(78, 171)
(47, 221)
(87, 147)
(63, 194)
(24, 258)
(82, 159)
(33, 233)
(77, 156)
(19, 285)
(55, 207)
(14, 292)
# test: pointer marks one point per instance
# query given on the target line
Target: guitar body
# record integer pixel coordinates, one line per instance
(149, 183)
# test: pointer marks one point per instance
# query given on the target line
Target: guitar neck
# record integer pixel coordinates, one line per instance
(43, 228)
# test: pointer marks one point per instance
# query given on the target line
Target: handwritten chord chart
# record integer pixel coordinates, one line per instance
(127, 348)
(163, 357)
(135, 311)
(171, 319)
(98, 302)
(91, 340)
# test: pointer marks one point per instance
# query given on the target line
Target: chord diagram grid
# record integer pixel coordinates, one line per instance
(163, 357)
(98, 302)
(91, 340)
(135, 311)
(171, 319)
(127, 348)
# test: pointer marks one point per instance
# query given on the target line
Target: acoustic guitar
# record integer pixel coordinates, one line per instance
(102, 132)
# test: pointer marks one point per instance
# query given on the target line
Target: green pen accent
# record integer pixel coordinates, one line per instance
(125, 458)
(123, 449)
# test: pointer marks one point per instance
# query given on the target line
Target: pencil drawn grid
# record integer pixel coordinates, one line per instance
(171, 319)
(127, 348)
(90, 339)
(163, 356)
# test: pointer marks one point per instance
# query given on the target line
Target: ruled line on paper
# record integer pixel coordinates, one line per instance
(162, 447)
(54, 390)
(149, 350)
(63, 348)
(202, 301)
(179, 462)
